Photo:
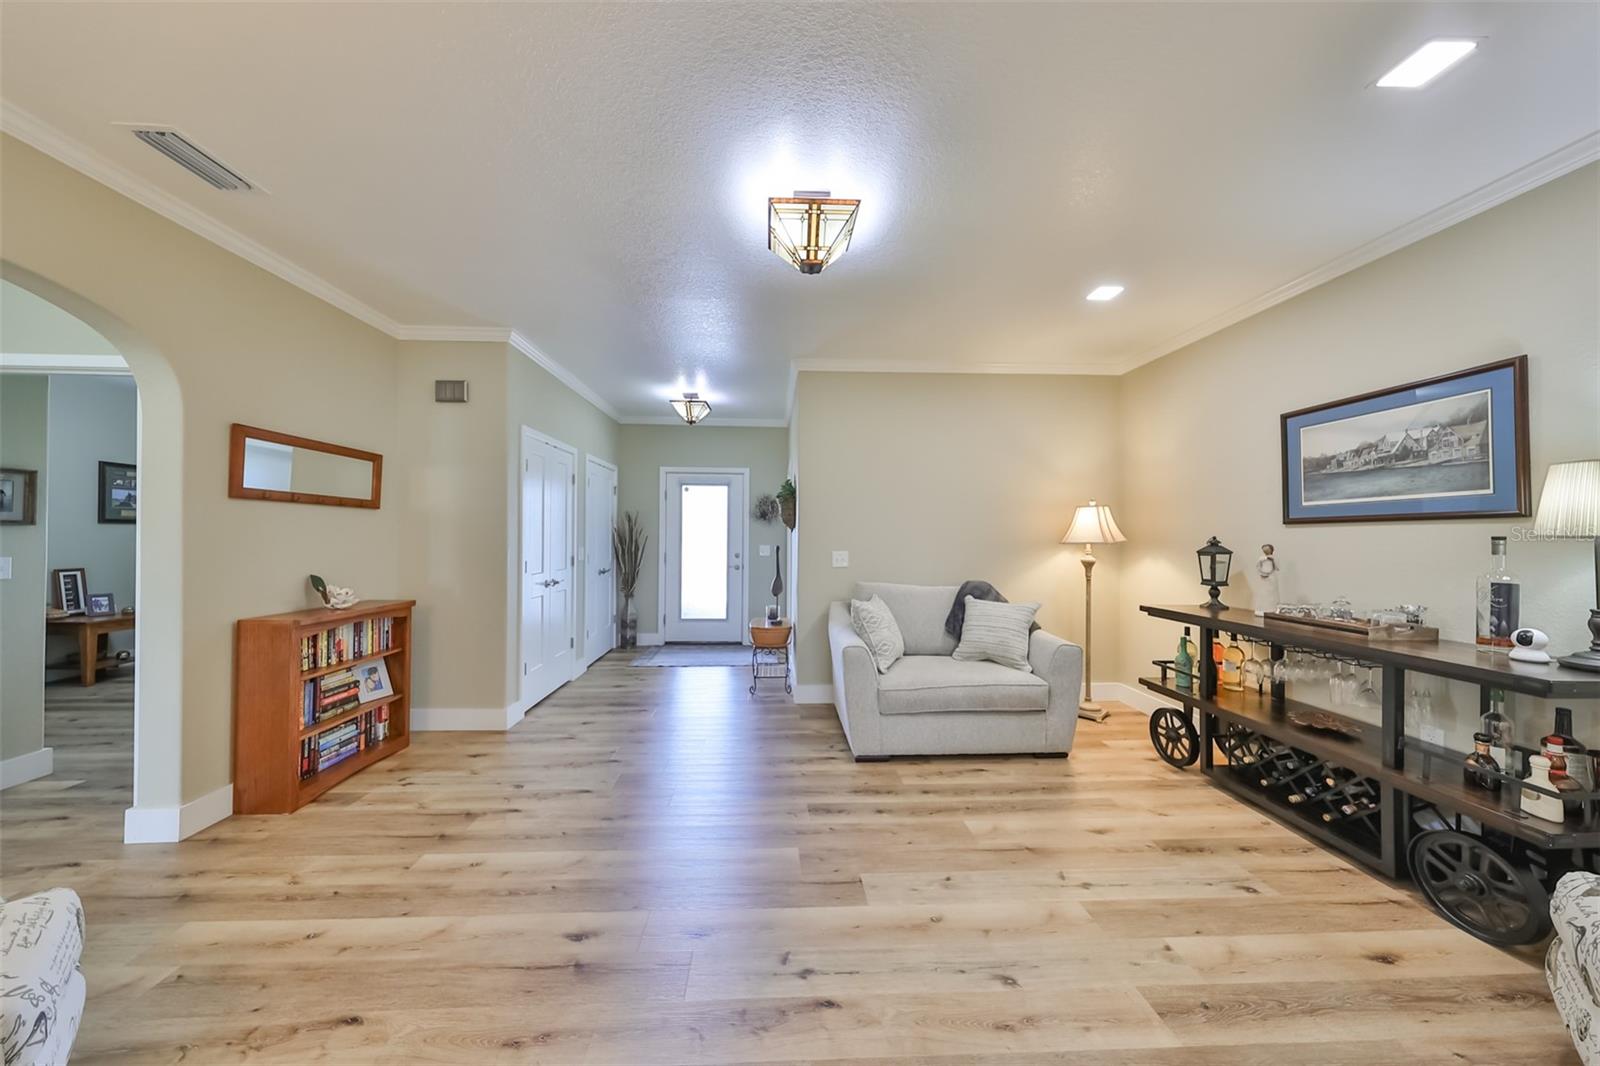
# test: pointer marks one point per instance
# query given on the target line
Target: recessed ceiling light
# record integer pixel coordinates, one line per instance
(1427, 63)
(1104, 293)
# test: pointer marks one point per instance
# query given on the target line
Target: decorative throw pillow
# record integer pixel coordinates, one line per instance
(875, 625)
(997, 632)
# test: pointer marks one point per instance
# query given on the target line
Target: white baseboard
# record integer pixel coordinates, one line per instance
(813, 693)
(466, 719)
(29, 767)
(1138, 698)
(168, 825)
(650, 640)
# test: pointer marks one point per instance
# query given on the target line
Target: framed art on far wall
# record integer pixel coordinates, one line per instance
(119, 492)
(1454, 446)
(69, 590)
(17, 488)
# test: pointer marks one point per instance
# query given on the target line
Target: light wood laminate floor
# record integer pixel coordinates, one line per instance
(655, 867)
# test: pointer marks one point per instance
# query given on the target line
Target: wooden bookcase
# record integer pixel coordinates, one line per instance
(268, 690)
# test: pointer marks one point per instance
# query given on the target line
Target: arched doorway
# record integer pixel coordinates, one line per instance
(158, 686)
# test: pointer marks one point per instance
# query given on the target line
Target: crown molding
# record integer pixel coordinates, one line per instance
(930, 366)
(52, 142)
(563, 375)
(481, 334)
(1581, 152)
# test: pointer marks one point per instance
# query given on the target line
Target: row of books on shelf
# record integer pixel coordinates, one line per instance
(343, 690)
(333, 746)
(340, 644)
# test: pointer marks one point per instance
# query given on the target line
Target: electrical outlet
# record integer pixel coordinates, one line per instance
(841, 559)
(766, 550)
(1432, 734)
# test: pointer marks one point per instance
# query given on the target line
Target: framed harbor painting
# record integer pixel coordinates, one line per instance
(1449, 447)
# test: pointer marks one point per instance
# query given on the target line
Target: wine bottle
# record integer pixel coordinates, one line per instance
(1481, 767)
(1183, 662)
(1231, 671)
(1351, 808)
(1499, 601)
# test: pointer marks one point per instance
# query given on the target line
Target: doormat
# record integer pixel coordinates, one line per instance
(694, 655)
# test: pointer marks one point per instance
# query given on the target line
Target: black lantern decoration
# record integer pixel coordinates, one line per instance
(1215, 562)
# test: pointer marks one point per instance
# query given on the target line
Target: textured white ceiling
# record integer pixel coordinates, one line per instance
(595, 176)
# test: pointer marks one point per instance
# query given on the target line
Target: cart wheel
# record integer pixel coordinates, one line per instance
(1174, 736)
(1477, 889)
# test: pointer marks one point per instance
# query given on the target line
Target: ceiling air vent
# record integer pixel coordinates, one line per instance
(449, 391)
(184, 152)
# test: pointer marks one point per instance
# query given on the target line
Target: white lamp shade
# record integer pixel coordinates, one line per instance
(1093, 525)
(1569, 506)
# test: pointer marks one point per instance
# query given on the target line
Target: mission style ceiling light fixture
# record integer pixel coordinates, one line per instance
(691, 408)
(810, 230)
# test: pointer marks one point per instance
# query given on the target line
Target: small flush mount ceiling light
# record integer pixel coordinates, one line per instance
(691, 408)
(1104, 293)
(810, 230)
(1427, 63)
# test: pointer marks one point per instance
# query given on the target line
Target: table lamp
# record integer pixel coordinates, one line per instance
(1091, 525)
(1569, 507)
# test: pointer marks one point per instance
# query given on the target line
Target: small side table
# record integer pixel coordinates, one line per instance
(91, 631)
(769, 652)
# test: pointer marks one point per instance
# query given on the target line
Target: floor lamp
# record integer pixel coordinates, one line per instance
(1091, 525)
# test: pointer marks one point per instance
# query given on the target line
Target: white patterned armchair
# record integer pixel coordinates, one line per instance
(41, 985)
(1572, 965)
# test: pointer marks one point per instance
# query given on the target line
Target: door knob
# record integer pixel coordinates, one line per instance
(606, 570)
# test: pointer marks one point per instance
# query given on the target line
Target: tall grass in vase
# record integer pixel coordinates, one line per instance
(628, 541)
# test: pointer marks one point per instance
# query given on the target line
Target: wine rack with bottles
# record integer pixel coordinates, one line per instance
(1359, 784)
(1312, 789)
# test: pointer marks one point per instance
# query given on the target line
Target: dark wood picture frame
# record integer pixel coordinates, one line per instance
(107, 511)
(29, 481)
(238, 434)
(108, 600)
(1519, 440)
(75, 600)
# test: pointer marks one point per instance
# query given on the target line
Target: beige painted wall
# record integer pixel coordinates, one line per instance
(23, 406)
(30, 325)
(212, 340)
(935, 479)
(646, 449)
(1199, 429)
(449, 490)
(534, 398)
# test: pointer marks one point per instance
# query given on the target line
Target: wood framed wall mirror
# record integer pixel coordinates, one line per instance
(265, 465)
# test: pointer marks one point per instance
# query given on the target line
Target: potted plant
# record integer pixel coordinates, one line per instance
(786, 502)
(628, 542)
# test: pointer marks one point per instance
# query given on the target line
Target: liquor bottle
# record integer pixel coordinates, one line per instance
(1230, 674)
(1499, 601)
(1539, 804)
(1498, 728)
(1575, 760)
(1183, 662)
(1481, 767)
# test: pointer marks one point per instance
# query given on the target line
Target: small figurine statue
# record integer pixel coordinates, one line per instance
(336, 596)
(1264, 582)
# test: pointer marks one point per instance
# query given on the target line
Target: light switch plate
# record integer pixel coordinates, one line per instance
(766, 550)
(5, 568)
(841, 559)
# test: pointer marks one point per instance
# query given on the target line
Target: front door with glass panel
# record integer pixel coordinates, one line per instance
(703, 557)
